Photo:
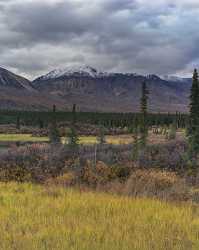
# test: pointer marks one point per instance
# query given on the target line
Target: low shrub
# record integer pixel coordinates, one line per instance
(66, 180)
(15, 173)
(157, 183)
(170, 156)
(101, 174)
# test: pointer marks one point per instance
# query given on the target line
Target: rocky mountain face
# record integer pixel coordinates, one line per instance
(18, 93)
(92, 90)
(117, 92)
(10, 80)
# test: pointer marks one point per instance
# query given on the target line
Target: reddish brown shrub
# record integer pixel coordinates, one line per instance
(156, 183)
(65, 180)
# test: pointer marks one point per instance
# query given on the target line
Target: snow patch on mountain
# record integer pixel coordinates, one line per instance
(82, 71)
(170, 78)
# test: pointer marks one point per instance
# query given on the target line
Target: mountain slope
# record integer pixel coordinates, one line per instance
(97, 91)
(10, 80)
(92, 90)
(17, 92)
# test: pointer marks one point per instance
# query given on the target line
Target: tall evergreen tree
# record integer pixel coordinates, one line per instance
(72, 135)
(101, 138)
(136, 142)
(194, 103)
(74, 114)
(41, 123)
(73, 138)
(54, 135)
(172, 131)
(193, 131)
(18, 123)
(143, 115)
(54, 108)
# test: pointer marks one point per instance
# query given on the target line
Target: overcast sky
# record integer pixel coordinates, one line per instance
(142, 36)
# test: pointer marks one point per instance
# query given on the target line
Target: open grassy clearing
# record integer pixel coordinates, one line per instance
(21, 137)
(82, 140)
(115, 139)
(34, 218)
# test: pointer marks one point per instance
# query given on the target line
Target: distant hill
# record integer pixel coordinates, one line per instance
(92, 90)
(100, 91)
(17, 92)
(9, 80)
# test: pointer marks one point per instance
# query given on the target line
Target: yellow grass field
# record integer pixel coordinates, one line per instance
(111, 139)
(121, 139)
(21, 138)
(35, 217)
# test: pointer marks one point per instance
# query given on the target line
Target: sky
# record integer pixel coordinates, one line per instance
(140, 36)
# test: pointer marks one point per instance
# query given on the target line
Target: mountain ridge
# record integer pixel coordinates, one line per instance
(87, 70)
(118, 92)
(92, 90)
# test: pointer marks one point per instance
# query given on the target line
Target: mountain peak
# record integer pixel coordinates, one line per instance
(95, 90)
(172, 78)
(11, 80)
(80, 71)
(74, 70)
(153, 77)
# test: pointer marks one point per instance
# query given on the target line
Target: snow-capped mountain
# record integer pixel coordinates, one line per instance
(152, 77)
(171, 78)
(69, 71)
(79, 71)
(92, 90)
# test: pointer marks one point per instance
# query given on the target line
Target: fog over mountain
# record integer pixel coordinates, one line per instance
(49, 42)
(153, 37)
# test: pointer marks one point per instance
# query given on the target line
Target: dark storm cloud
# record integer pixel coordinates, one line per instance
(124, 35)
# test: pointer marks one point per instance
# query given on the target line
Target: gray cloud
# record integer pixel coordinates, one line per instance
(115, 35)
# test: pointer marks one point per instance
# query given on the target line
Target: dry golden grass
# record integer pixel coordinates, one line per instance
(111, 139)
(37, 218)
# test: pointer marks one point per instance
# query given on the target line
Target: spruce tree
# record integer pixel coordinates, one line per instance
(18, 123)
(143, 115)
(172, 131)
(72, 135)
(193, 131)
(73, 138)
(101, 138)
(54, 135)
(41, 123)
(74, 114)
(54, 108)
(136, 142)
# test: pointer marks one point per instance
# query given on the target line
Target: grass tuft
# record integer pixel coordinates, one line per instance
(34, 217)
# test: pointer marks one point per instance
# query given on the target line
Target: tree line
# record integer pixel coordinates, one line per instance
(42, 119)
(191, 125)
(138, 124)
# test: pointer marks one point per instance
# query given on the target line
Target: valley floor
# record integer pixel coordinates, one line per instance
(110, 139)
(37, 217)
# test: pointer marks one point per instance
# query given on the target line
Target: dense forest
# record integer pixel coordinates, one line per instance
(43, 119)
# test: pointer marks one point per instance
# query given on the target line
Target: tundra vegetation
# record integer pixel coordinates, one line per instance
(74, 180)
